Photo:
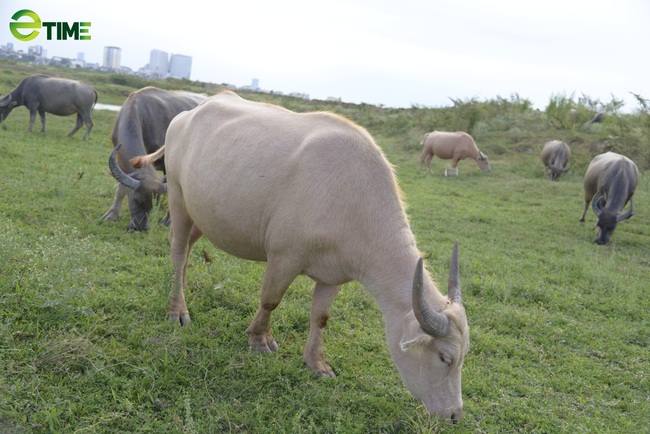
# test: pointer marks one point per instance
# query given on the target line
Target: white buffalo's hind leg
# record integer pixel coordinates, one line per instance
(277, 278)
(314, 356)
(425, 158)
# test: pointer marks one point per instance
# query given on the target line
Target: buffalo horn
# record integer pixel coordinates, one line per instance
(4, 102)
(568, 168)
(119, 174)
(627, 215)
(595, 204)
(454, 278)
(432, 322)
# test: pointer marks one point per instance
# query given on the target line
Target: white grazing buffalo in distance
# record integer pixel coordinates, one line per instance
(312, 194)
(451, 146)
(609, 184)
(555, 156)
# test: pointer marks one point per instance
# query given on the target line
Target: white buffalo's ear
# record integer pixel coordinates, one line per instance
(413, 336)
(406, 345)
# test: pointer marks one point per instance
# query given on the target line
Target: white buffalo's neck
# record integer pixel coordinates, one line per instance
(391, 281)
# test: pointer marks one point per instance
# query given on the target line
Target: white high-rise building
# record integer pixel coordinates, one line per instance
(159, 64)
(180, 66)
(112, 57)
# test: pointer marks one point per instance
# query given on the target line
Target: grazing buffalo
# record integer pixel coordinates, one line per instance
(451, 146)
(139, 129)
(598, 118)
(58, 96)
(555, 156)
(609, 184)
(312, 194)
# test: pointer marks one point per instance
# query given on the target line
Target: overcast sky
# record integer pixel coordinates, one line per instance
(394, 53)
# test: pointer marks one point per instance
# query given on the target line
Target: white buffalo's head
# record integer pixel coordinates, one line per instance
(433, 345)
(482, 162)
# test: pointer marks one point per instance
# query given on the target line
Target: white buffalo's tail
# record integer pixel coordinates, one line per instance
(146, 160)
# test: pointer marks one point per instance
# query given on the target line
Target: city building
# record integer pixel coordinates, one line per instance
(112, 57)
(158, 64)
(37, 50)
(180, 66)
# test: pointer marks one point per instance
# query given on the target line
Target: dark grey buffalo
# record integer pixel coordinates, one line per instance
(598, 118)
(58, 96)
(555, 156)
(609, 184)
(140, 129)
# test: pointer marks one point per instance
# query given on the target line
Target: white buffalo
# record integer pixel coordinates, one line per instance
(556, 155)
(312, 194)
(451, 146)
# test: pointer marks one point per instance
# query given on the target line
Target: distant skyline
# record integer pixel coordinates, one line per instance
(415, 52)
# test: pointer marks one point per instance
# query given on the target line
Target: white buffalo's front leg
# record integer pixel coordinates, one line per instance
(277, 278)
(314, 356)
(182, 238)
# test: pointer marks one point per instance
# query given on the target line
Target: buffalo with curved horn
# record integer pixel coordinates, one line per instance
(312, 194)
(609, 184)
(555, 156)
(139, 129)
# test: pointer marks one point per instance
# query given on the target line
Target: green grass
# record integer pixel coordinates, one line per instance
(559, 326)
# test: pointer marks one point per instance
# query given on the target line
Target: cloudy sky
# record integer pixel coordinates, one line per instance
(394, 53)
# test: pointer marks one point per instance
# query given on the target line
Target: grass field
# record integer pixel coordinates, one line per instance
(560, 331)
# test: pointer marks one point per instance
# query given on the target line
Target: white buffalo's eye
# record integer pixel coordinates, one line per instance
(444, 359)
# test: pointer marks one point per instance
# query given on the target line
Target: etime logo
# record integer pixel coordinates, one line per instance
(60, 30)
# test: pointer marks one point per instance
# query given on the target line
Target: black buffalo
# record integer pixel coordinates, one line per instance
(58, 96)
(140, 129)
(609, 184)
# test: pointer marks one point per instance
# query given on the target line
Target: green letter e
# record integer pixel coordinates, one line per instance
(14, 27)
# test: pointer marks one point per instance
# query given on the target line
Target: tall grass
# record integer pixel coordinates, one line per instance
(559, 326)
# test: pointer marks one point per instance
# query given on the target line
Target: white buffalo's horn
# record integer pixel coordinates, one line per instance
(454, 278)
(627, 215)
(119, 174)
(434, 323)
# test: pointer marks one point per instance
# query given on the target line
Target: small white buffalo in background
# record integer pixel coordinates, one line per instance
(451, 146)
(555, 156)
(312, 194)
